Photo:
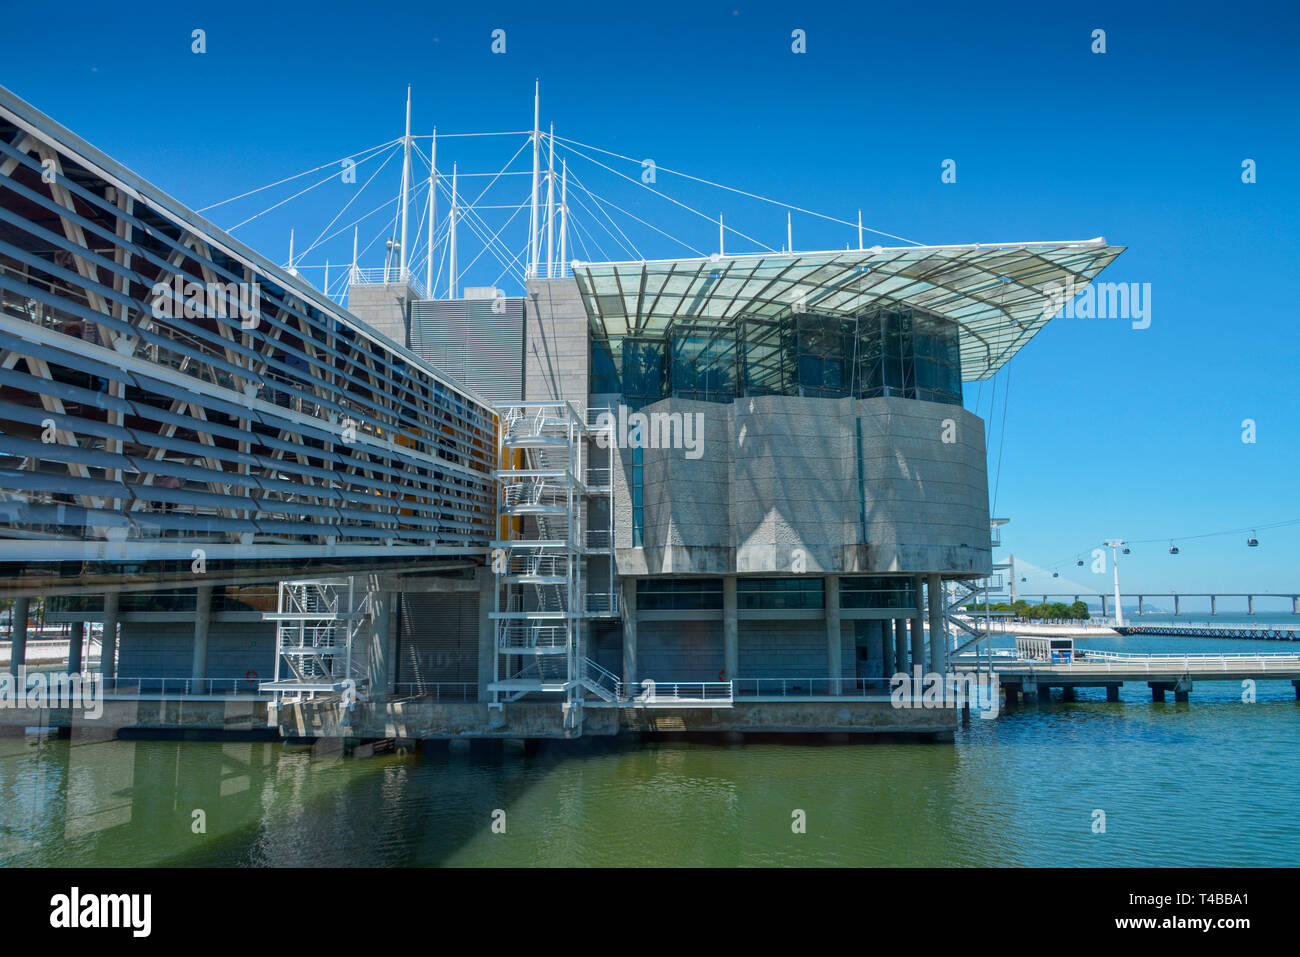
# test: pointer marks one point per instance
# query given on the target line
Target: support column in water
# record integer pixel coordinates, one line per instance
(202, 622)
(938, 651)
(108, 638)
(76, 641)
(18, 632)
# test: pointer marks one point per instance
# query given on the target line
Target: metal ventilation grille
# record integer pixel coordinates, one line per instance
(481, 349)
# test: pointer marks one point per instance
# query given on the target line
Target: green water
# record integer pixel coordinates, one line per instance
(1212, 782)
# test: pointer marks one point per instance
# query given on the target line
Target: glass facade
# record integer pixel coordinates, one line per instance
(772, 593)
(877, 592)
(678, 594)
(884, 351)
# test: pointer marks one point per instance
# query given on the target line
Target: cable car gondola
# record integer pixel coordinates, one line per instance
(1252, 542)
(1127, 550)
(1173, 549)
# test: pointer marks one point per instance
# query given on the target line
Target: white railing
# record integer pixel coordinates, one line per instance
(676, 692)
(602, 603)
(438, 690)
(180, 687)
(380, 275)
(809, 687)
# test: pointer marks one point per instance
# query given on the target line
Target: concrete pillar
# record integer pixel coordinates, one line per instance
(900, 644)
(1158, 690)
(487, 632)
(730, 629)
(1295, 604)
(75, 644)
(876, 649)
(834, 663)
(1142, 610)
(108, 640)
(1112, 692)
(1067, 693)
(918, 623)
(202, 621)
(1105, 606)
(1214, 604)
(381, 641)
(938, 653)
(1296, 685)
(629, 635)
(1250, 604)
(1012, 693)
(1177, 611)
(18, 646)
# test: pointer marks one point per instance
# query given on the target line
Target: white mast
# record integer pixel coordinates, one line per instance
(537, 160)
(451, 250)
(433, 208)
(292, 270)
(352, 276)
(406, 183)
(789, 234)
(721, 243)
(327, 278)
(564, 215)
(550, 208)
(859, 229)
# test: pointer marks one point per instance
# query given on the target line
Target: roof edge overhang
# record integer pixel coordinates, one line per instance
(999, 294)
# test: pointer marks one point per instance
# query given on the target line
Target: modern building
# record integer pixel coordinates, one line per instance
(732, 493)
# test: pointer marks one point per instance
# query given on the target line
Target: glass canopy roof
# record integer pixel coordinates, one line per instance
(1000, 295)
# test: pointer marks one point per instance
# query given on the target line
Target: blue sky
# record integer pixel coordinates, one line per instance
(1108, 430)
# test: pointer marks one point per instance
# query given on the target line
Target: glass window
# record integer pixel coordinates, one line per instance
(766, 348)
(704, 361)
(826, 346)
(770, 593)
(676, 594)
(637, 490)
(877, 592)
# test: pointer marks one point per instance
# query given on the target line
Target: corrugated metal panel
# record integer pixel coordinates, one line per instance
(439, 638)
(479, 348)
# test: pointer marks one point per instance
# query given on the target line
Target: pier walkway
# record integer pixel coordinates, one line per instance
(1110, 669)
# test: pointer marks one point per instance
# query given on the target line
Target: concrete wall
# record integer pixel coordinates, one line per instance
(679, 650)
(778, 482)
(783, 649)
(165, 649)
(557, 353)
(381, 306)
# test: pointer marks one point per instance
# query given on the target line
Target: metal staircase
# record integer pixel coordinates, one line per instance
(317, 624)
(977, 628)
(540, 560)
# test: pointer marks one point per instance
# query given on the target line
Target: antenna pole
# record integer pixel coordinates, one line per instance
(537, 161)
(433, 209)
(564, 215)
(406, 184)
(550, 208)
(451, 256)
